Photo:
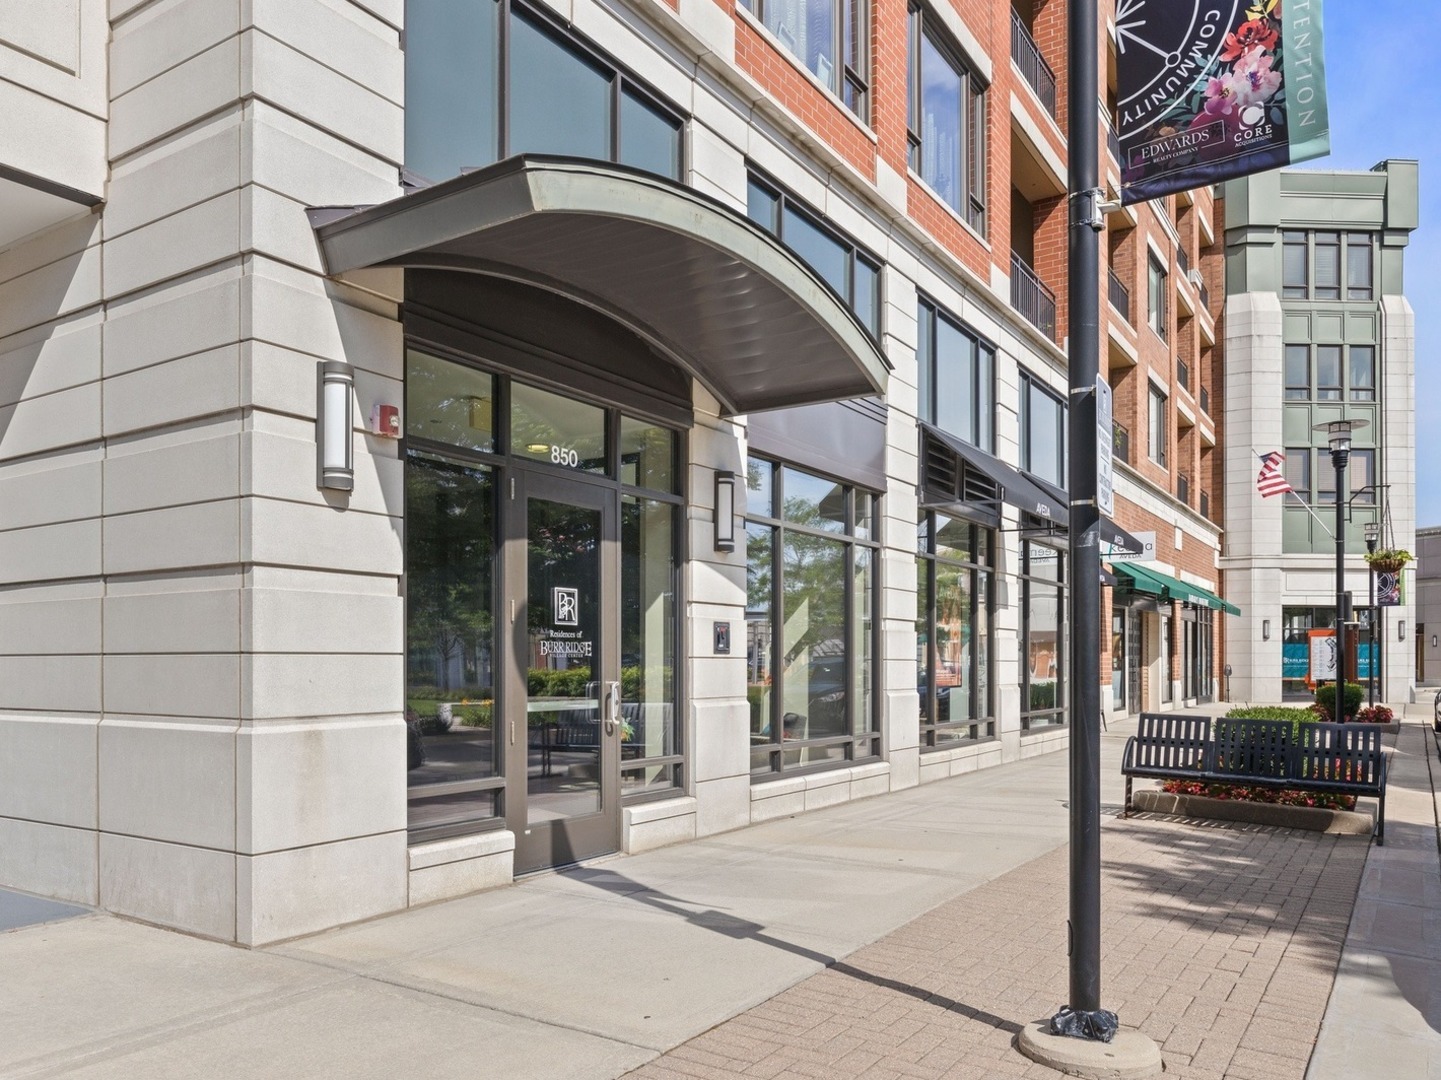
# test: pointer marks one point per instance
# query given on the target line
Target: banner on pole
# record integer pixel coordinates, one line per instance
(1209, 90)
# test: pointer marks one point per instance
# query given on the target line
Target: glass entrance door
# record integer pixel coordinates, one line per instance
(564, 731)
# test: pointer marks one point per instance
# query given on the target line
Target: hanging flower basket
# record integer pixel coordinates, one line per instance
(1388, 560)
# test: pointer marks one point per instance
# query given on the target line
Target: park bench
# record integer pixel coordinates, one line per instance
(1333, 759)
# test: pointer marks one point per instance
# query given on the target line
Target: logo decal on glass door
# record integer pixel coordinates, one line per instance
(566, 603)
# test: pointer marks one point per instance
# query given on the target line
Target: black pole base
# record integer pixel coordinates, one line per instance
(1097, 1025)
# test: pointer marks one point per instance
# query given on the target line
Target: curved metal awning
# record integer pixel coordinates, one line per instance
(707, 287)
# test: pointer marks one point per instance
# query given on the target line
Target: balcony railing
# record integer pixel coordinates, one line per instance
(1205, 401)
(1120, 442)
(1183, 261)
(1183, 488)
(1031, 298)
(1183, 373)
(1033, 65)
(1113, 142)
(1205, 294)
(1119, 295)
(1206, 505)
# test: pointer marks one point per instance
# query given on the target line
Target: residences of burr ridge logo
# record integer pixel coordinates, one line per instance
(566, 605)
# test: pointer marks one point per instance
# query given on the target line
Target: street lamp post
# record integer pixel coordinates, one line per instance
(1338, 435)
(1373, 536)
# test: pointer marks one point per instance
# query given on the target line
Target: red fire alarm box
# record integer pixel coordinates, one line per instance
(385, 421)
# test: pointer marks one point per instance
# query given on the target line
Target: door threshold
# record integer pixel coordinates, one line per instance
(581, 864)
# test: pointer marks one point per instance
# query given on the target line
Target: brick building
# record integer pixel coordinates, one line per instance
(448, 440)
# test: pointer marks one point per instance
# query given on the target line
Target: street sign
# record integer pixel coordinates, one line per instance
(1105, 480)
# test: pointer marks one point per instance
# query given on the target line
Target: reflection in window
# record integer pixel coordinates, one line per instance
(828, 37)
(1043, 432)
(957, 381)
(647, 455)
(448, 402)
(556, 430)
(853, 274)
(450, 675)
(1042, 638)
(953, 632)
(560, 103)
(810, 623)
(947, 121)
(563, 96)
(650, 733)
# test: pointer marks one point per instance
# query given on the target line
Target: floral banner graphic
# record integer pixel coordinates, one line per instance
(1213, 89)
(1388, 588)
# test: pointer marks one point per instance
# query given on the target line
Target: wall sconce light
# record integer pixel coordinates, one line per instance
(1433, 641)
(334, 423)
(725, 510)
(1400, 629)
(1265, 629)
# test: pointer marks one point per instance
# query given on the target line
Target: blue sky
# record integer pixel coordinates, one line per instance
(1383, 78)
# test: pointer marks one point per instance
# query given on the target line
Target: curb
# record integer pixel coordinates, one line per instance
(1310, 818)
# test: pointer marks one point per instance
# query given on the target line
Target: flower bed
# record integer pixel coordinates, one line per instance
(1241, 793)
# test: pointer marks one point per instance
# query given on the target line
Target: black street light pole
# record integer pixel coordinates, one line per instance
(1373, 535)
(1338, 433)
(1084, 319)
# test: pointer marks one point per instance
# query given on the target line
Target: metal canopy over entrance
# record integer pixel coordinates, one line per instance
(699, 282)
(1155, 583)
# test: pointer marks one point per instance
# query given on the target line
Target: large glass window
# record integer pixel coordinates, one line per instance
(1327, 265)
(946, 120)
(1043, 636)
(650, 749)
(464, 58)
(846, 267)
(810, 620)
(1298, 471)
(957, 377)
(452, 770)
(955, 584)
(829, 37)
(1330, 372)
(1158, 435)
(1043, 432)
(1298, 372)
(1156, 304)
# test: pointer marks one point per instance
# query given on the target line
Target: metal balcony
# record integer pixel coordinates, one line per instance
(1031, 298)
(1033, 65)
(1119, 295)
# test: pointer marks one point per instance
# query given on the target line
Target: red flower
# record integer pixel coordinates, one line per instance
(1250, 35)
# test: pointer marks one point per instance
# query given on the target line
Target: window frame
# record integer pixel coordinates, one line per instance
(850, 80)
(856, 255)
(1157, 303)
(982, 725)
(873, 735)
(971, 174)
(1059, 713)
(1307, 243)
(1299, 458)
(1158, 419)
(929, 314)
(621, 77)
(1030, 386)
(1347, 389)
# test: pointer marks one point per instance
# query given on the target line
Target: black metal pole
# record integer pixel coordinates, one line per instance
(1338, 459)
(1371, 635)
(1084, 319)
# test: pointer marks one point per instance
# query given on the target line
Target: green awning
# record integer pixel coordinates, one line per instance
(1155, 583)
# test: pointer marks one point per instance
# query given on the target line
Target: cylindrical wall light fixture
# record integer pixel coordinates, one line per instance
(334, 425)
(1265, 629)
(1400, 629)
(725, 510)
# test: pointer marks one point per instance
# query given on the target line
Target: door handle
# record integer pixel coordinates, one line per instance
(612, 707)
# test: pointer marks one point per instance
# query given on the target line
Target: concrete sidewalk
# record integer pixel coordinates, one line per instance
(597, 971)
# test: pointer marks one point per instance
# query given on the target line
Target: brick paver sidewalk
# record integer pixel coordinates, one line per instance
(1220, 942)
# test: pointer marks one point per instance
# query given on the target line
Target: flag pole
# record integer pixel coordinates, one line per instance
(1307, 506)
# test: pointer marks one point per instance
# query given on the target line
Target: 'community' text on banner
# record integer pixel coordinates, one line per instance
(1213, 89)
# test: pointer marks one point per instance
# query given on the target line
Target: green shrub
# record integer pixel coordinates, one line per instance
(1350, 699)
(1303, 714)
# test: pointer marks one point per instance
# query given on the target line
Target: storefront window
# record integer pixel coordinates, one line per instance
(450, 674)
(650, 746)
(953, 632)
(1042, 638)
(810, 621)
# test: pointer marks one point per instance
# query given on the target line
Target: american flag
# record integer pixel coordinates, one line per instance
(1270, 480)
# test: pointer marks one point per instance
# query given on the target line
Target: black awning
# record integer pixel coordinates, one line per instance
(1014, 487)
(1119, 539)
(703, 285)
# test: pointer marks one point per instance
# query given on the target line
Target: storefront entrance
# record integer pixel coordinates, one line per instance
(564, 721)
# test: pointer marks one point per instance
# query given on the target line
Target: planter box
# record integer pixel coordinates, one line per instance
(1314, 819)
